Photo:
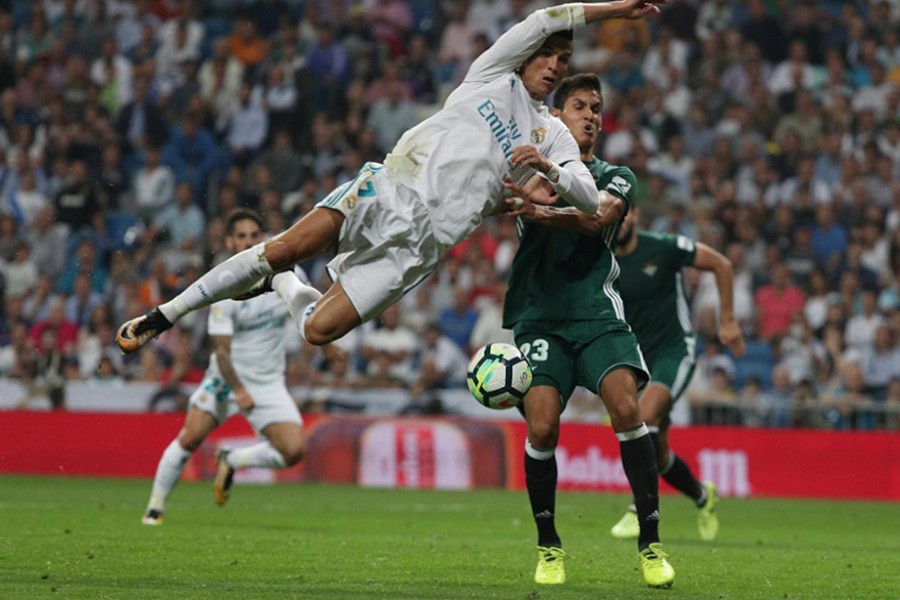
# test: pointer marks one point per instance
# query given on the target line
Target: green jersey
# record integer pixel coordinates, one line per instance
(651, 284)
(561, 275)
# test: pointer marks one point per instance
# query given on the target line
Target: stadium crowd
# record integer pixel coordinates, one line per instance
(769, 130)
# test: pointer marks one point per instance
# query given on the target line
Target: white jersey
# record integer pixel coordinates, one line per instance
(256, 327)
(454, 161)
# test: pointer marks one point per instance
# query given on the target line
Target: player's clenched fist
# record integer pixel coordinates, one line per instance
(529, 156)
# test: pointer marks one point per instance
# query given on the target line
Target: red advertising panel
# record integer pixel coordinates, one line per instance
(446, 453)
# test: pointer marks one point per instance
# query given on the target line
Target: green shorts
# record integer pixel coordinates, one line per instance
(673, 366)
(565, 354)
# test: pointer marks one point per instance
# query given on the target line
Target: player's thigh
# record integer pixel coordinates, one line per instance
(613, 347)
(333, 317)
(550, 358)
(197, 425)
(375, 278)
(288, 439)
(314, 234)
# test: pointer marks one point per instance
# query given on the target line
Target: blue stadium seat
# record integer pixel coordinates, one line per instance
(424, 15)
(757, 362)
(120, 230)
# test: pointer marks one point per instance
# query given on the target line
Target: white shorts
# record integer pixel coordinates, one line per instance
(387, 244)
(272, 403)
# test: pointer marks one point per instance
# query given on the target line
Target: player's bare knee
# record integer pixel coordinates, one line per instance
(293, 454)
(319, 332)
(188, 440)
(279, 254)
(623, 415)
(543, 435)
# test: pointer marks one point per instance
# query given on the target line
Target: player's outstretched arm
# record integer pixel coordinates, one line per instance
(730, 334)
(621, 9)
(533, 203)
(222, 349)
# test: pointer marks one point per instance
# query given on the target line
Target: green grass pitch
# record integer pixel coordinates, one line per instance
(81, 538)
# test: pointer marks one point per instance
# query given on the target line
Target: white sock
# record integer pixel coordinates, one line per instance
(171, 463)
(262, 454)
(298, 296)
(226, 280)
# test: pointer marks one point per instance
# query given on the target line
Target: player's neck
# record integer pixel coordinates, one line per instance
(587, 154)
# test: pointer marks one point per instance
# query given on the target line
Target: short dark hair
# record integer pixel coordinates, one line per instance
(241, 214)
(573, 83)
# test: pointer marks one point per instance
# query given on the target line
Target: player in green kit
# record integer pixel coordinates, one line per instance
(564, 308)
(657, 310)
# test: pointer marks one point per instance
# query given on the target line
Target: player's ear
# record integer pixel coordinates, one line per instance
(555, 112)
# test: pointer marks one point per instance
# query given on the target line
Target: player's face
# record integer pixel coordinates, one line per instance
(581, 114)
(547, 67)
(246, 234)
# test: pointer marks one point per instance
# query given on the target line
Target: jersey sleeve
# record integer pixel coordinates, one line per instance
(522, 40)
(621, 183)
(575, 183)
(220, 320)
(684, 250)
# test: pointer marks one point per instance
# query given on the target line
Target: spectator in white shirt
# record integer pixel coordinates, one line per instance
(154, 185)
(860, 330)
(246, 125)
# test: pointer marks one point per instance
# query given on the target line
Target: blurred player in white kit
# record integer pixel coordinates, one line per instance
(245, 375)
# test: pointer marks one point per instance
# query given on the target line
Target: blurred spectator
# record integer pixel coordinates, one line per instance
(389, 351)
(81, 202)
(27, 202)
(86, 262)
(442, 363)
(245, 125)
(861, 327)
(829, 238)
(777, 302)
(193, 154)
(154, 185)
(46, 376)
(178, 227)
(19, 270)
(881, 361)
(458, 321)
(65, 332)
(392, 115)
(283, 162)
(390, 21)
(182, 368)
(246, 45)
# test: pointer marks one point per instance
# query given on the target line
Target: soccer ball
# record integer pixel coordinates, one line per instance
(499, 375)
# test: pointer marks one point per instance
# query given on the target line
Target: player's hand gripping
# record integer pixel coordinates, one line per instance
(730, 335)
(522, 198)
(529, 156)
(243, 399)
(637, 9)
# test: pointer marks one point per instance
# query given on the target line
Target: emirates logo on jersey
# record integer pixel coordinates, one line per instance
(538, 135)
(649, 269)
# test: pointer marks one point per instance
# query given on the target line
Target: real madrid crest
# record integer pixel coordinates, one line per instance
(538, 135)
(350, 202)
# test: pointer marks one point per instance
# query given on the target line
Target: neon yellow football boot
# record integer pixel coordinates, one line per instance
(551, 567)
(657, 571)
(627, 528)
(707, 520)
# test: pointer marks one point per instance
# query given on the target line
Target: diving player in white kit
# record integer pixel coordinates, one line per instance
(245, 375)
(391, 224)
